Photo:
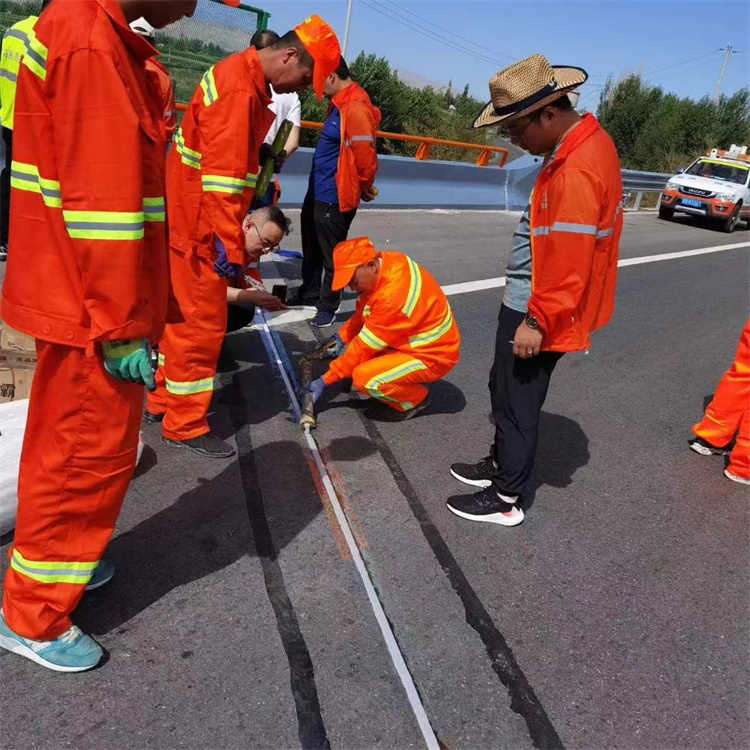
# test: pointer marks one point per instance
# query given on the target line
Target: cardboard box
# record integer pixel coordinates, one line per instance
(17, 364)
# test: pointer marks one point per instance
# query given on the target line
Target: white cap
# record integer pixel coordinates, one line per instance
(143, 27)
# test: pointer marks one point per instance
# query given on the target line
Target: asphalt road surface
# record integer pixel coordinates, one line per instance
(615, 616)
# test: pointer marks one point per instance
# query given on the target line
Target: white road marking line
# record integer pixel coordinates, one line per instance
(396, 656)
(476, 286)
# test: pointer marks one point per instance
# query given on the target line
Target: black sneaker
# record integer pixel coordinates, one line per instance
(207, 445)
(152, 418)
(382, 413)
(486, 506)
(323, 319)
(478, 474)
(700, 446)
(297, 300)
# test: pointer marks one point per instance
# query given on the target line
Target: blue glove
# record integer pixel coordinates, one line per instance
(129, 360)
(317, 387)
(335, 346)
(222, 266)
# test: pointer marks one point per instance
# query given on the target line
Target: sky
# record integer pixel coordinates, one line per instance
(674, 43)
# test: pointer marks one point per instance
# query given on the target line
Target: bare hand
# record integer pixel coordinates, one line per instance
(527, 341)
(264, 299)
(368, 194)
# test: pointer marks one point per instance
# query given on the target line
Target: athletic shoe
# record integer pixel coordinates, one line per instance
(103, 573)
(152, 418)
(700, 446)
(300, 302)
(73, 651)
(207, 445)
(486, 506)
(476, 475)
(3, 252)
(323, 319)
(382, 413)
(741, 480)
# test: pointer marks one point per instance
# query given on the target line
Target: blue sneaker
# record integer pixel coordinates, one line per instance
(103, 573)
(323, 319)
(73, 651)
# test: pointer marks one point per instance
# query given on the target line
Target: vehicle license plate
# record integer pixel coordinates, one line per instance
(691, 202)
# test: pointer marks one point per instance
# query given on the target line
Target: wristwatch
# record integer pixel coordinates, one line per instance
(532, 322)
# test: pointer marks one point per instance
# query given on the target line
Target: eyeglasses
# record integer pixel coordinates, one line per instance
(268, 246)
(512, 133)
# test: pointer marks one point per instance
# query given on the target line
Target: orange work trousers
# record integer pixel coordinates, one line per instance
(729, 412)
(395, 378)
(189, 350)
(79, 453)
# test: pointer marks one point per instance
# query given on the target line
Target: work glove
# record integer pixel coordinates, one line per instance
(130, 360)
(222, 266)
(317, 387)
(335, 346)
(267, 152)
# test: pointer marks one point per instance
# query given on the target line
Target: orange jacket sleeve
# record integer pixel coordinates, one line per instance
(385, 327)
(229, 151)
(559, 278)
(170, 110)
(361, 132)
(354, 325)
(97, 144)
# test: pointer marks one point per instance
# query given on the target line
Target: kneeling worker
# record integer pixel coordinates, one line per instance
(402, 333)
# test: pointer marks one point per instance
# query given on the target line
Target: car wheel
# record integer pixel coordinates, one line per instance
(729, 224)
(666, 213)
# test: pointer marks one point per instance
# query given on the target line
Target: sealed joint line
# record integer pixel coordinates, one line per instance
(390, 639)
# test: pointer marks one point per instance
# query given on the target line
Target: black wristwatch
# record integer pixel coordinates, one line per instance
(532, 322)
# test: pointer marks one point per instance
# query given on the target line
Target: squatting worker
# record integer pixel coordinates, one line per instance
(13, 50)
(401, 336)
(88, 211)
(211, 176)
(561, 271)
(343, 174)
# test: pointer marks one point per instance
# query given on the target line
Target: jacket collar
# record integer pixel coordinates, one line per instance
(140, 48)
(258, 76)
(350, 93)
(586, 128)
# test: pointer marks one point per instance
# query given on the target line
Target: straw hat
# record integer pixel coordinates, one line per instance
(526, 86)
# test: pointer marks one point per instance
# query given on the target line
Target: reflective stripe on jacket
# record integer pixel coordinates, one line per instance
(87, 184)
(408, 312)
(213, 167)
(358, 158)
(576, 223)
(16, 41)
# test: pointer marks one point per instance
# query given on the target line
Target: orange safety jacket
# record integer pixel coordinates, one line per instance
(576, 223)
(213, 168)
(407, 312)
(358, 158)
(87, 184)
(164, 82)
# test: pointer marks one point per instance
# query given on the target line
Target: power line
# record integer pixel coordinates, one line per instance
(403, 20)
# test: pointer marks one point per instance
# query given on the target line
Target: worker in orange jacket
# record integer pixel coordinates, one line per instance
(401, 336)
(728, 415)
(155, 67)
(88, 211)
(561, 271)
(211, 176)
(343, 174)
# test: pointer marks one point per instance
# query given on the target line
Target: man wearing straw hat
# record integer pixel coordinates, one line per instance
(561, 271)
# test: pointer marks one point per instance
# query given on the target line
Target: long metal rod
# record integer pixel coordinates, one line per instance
(346, 30)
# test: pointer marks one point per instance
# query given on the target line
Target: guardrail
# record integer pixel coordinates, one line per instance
(642, 182)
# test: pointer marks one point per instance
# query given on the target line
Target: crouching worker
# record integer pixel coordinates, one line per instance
(401, 336)
(189, 350)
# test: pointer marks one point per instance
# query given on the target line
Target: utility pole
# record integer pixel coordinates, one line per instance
(346, 31)
(728, 51)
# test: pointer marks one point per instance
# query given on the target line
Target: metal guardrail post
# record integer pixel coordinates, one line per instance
(638, 199)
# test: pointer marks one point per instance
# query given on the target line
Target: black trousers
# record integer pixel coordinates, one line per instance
(323, 227)
(5, 187)
(518, 388)
(238, 317)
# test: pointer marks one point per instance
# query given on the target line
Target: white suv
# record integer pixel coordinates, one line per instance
(714, 187)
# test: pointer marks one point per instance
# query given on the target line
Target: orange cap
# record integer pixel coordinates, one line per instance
(348, 256)
(233, 3)
(321, 42)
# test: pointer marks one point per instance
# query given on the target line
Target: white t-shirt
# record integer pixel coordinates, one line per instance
(285, 107)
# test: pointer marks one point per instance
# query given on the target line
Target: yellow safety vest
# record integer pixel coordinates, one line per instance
(14, 48)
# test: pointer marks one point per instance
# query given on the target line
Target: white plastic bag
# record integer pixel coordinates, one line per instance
(12, 427)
